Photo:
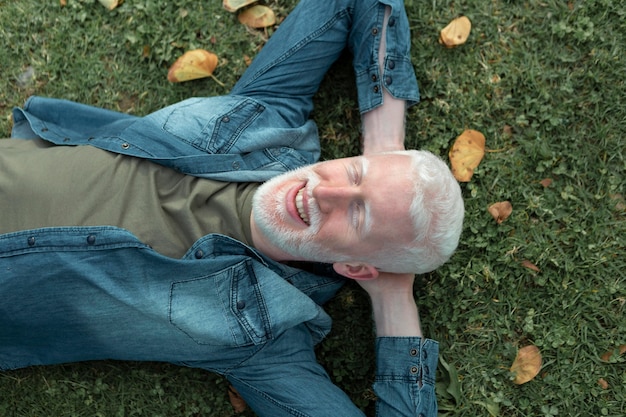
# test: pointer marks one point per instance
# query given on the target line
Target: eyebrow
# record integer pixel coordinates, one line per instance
(367, 219)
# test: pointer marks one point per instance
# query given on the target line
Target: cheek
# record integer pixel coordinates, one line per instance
(337, 235)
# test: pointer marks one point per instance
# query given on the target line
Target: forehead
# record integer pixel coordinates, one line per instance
(389, 190)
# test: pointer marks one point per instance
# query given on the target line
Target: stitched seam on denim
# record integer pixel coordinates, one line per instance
(271, 399)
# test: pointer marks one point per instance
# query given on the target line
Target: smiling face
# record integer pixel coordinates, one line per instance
(335, 211)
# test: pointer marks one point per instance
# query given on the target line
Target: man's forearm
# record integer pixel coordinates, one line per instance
(396, 314)
(383, 127)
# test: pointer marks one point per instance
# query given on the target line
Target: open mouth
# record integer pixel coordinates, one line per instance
(300, 206)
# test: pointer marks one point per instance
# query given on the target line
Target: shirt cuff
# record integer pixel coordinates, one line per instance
(408, 359)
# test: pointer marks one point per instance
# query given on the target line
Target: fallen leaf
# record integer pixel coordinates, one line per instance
(257, 17)
(234, 5)
(500, 211)
(456, 33)
(247, 60)
(194, 64)
(603, 384)
(546, 182)
(619, 351)
(527, 364)
(63, 3)
(466, 153)
(530, 265)
(111, 4)
(238, 403)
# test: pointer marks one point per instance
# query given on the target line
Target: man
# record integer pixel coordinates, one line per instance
(158, 243)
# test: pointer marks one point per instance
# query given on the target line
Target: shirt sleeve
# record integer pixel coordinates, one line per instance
(405, 377)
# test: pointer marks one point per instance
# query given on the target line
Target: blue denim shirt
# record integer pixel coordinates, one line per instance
(225, 138)
(126, 298)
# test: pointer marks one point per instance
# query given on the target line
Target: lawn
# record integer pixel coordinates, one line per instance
(543, 80)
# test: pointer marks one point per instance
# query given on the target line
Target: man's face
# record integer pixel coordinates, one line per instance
(336, 211)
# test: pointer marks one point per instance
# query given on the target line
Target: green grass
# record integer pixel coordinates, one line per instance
(543, 80)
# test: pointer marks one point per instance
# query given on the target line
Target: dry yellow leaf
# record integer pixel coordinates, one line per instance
(500, 211)
(466, 153)
(258, 16)
(456, 33)
(194, 64)
(527, 364)
(111, 4)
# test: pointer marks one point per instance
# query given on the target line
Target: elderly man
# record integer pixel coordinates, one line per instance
(169, 238)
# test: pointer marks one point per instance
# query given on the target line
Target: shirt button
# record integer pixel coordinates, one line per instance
(413, 352)
(375, 31)
(125, 145)
(391, 64)
(413, 369)
(199, 254)
(66, 139)
(374, 77)
(91, 239)
(241, 305)
(235, 165)
(225, 119)
(392, 21)
(376, 89)
(388, 80)
(31, 241)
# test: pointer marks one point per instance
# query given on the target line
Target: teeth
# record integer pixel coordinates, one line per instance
(300, 206)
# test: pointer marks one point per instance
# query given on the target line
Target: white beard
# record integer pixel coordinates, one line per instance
(271, 218)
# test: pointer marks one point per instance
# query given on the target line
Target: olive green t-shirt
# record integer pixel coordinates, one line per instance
(44, 185)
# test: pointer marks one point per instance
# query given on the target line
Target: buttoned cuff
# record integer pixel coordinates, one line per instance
(408, 359)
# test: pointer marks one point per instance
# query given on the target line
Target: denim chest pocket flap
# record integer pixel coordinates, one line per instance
(212, 124)
(222, 309)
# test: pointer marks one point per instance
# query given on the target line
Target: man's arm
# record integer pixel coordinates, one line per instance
(395, 311)
(383, 127)
(405, 361)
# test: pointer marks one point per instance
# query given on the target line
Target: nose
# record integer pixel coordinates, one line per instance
(329, 198)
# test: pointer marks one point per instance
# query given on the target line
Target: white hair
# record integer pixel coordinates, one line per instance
(436, 213)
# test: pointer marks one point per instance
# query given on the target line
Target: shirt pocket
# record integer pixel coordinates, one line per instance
(212, 124)
(223, 309)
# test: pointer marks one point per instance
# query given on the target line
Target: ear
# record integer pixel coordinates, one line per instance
(356, 271)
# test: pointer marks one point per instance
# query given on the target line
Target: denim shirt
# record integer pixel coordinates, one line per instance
(226, 138)
(126, 298)
(255, 298)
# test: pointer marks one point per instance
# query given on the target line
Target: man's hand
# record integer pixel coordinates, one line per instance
(395, 312)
